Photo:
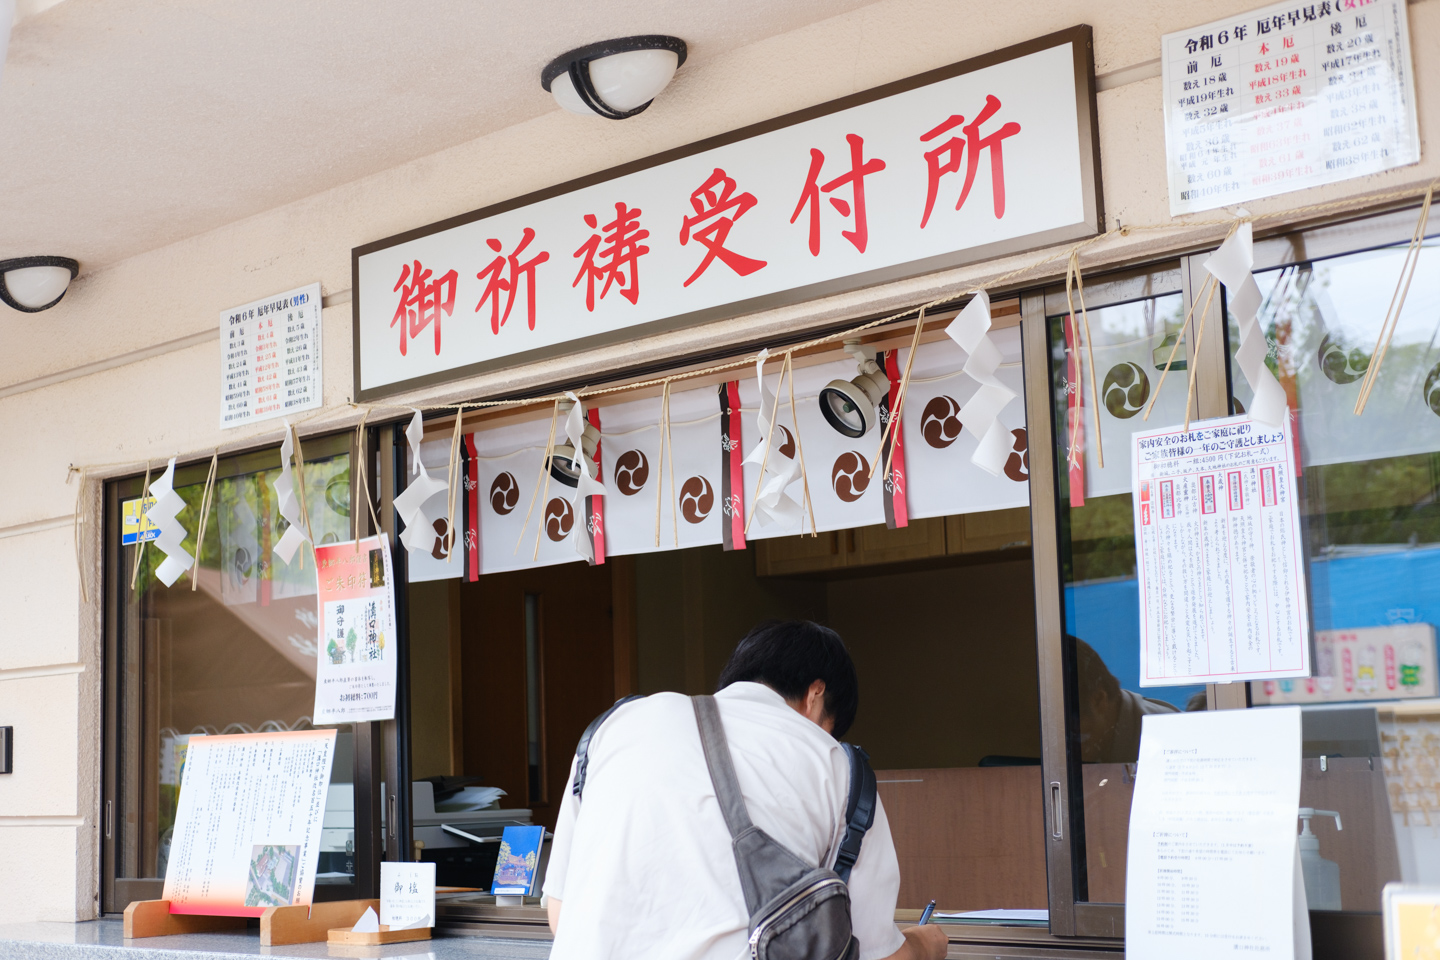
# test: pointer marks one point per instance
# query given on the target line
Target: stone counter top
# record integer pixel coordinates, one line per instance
(103, 938)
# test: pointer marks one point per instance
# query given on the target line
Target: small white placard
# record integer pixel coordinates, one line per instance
(1212, 866)
(270, 357)
(407, 895)
(1218, 554)
(1289, 96)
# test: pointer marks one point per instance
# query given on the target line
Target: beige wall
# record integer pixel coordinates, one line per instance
(167, 402)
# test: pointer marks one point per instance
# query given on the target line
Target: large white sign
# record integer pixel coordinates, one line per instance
(1212, 868)
(972, 161)
(270, 357)
(247, 827)
(1218, 554)
(1289, 96)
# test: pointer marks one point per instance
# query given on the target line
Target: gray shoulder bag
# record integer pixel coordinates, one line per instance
(797, 912)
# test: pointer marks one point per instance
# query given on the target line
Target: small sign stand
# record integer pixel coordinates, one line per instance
(344, 936)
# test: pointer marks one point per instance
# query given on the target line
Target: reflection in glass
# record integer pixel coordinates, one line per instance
(234, 653)
(1132, 345)
(1371, 517)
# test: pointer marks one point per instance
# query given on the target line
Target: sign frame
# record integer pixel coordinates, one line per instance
(1091, 223)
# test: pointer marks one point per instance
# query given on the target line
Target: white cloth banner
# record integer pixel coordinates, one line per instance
(941, 471)
(508, 463)
(429, 558)
(631, 453)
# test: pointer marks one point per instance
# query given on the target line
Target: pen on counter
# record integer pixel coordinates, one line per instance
(925, 917)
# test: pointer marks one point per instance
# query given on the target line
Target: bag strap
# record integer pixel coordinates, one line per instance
(582, 749)
(859, 810)
(722, 768)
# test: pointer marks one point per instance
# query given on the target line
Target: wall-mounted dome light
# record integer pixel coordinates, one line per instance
(852, 406)
(32, 284)
(614, 79)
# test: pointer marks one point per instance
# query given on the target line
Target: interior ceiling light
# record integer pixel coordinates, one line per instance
(614, 79)
(563, 467)
(851, 406)
(32, 284)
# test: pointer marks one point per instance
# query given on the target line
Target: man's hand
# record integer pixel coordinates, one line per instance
(552, 913)
(923, 943)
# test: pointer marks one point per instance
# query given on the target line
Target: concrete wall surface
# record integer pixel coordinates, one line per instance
(112, 419)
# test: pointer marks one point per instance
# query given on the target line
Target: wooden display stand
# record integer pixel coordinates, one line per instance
(279, 926)
(344, 936)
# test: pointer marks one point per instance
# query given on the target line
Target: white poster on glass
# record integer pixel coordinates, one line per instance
(1212, 868)
(1218, 554)
(1289, 96)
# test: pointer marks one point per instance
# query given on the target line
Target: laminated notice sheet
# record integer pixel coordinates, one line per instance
(1212, 867)
(356, 667)
(247, 827)
(1218, 554)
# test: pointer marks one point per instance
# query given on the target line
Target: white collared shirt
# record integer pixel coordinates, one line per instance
(643, 865)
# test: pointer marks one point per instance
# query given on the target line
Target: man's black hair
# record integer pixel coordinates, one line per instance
(789, 655)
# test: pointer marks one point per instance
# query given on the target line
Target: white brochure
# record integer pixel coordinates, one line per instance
(1213, 868)
(247, 828)
(407, 895)
(1218, 554)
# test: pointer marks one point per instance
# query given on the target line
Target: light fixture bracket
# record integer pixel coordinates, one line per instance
(576, 63)
(20, 263)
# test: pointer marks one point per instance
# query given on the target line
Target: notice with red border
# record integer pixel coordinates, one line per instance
(1218, 554)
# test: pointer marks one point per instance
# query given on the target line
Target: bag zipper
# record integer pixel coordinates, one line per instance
(778, 911)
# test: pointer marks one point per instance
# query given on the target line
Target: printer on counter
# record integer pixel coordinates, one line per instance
(461, 831)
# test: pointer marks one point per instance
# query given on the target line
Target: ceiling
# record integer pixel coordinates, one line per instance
(131, 124)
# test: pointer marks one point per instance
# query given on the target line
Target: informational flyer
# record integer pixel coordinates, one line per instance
(1212, 868)
(1288, 96)
(247, 829)
(1395, 662)
(1218, 554)
(355, 677)
(270, 357)
(407, 895)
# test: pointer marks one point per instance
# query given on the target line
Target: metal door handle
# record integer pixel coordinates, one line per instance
(1057, 813)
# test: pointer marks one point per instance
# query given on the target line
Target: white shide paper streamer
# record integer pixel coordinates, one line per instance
(289, 502)
(419, 531)
(588, 486)
(162, 513)
(1231, 265)
(773, 505)
(981, 413)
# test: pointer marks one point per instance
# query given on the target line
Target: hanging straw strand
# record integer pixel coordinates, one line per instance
(205, 501)
(77, 520)
(663, 429)
(364, 486)
(1397, 302)
(670, 460)
(140, 510)
(1194, 385)
(453, 479)
(543, 475)
(800, 449)
(1073, 277)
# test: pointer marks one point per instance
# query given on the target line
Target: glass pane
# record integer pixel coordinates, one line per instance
(1371, 518)
(1133, 343)
(234, 653)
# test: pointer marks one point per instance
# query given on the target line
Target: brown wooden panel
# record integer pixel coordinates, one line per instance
(493, 664)
(879, 544)
(780, 556)
(971, 838)
(1109, 788)
(992, 530)
(624, 625)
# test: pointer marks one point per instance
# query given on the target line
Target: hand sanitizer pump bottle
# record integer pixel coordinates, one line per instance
(1322, 877)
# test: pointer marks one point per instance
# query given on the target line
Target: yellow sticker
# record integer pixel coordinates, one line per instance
(135, 525)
